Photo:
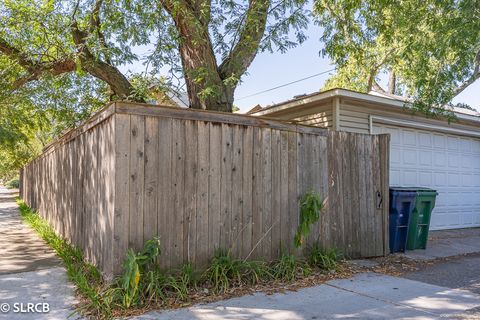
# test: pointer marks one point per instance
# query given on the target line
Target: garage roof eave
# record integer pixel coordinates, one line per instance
(344, 93)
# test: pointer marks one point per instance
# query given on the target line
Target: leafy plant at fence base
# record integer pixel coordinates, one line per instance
(143, 283)
(134, 267)
(310, 206)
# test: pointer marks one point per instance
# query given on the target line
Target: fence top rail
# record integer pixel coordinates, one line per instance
(179, 113)
(215, 116)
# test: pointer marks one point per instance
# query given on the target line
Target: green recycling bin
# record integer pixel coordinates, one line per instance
(420, 218)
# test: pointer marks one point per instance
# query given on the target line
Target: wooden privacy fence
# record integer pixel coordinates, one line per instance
(203, 181)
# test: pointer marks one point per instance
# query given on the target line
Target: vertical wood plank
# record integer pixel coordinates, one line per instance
(101, 179)
(122, 189)
(292, 186)
(284, 200)
(355, 197)
(369, 221)
(165, 196)
(247, 191)
(137, 176)
(276, 194)
(178, 186)
(109, 199)
(237, 187)
(267, 223)
(191, 176)
(347, 194)
(203, 145)
(226, 187)
(150, 225)
(257, 197)
(363, 212)
(385, 174)
(324, 186)
(377, 211)
(214, 213)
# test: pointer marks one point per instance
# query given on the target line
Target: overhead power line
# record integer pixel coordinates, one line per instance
(286, 84)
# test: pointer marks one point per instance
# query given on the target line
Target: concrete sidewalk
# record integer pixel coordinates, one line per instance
(30, 272)
(21, 249)
(448, 243)
(366, 296)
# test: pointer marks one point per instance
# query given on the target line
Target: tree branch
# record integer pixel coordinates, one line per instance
(54, 68)
(475, 76)
(35, 69)
(247, 46)
(377, 87)
(95, 27)
(97, 68)
(392, 82)
(15, 54)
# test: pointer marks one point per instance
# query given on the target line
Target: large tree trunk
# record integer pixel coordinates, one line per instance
(206, 81)
(206, 89)
(205, 86)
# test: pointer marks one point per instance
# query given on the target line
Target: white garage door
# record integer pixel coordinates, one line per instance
(448, 163)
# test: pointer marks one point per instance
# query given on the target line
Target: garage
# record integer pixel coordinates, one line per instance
(448, 163)
(424, 151)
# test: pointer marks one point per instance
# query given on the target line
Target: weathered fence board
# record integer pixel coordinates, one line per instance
(204, 181)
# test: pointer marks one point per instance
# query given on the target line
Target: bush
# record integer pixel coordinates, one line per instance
(13, 184)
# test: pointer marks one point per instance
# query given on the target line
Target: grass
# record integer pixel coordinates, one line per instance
(85, 276)
(143, 285)
(324, 259)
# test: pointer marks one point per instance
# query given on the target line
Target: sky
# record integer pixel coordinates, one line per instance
(270, 70)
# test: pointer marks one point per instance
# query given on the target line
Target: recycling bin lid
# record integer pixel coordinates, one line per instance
(413, 189)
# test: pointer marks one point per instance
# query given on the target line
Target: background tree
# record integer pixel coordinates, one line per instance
(208, 45)
(430, 50)
(33, 118)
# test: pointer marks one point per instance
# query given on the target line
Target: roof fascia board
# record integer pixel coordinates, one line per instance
(425, 126)
(343, 93)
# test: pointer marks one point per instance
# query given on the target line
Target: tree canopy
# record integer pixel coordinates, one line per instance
(206, 44)
(429, 49)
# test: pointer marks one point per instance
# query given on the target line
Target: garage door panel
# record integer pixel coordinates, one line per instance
(448, 163)
(425, 178)
(409, 178)
(440, 179)
(425, 140)
(439, 141)
(395, 155)
(453, 160)
(409, 138)
(425, 158)
(452, 143)
(440, 160)
(410, 157)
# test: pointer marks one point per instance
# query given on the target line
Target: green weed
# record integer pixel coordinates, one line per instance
(285, 268)
(310, 206)
(223, 271)
(323, 259)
